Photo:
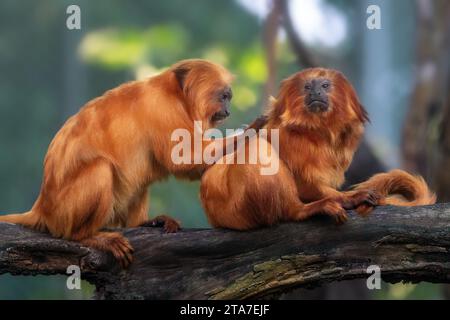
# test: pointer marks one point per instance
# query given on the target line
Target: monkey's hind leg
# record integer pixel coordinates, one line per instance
(88, 208)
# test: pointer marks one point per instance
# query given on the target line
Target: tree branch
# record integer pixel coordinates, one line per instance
(408, 244)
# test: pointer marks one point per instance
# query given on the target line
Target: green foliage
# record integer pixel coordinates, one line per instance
(42, 288)
(409, 291)
(126, 48)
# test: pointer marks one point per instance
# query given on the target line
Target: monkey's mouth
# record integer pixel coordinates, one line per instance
(317, 106)
(220, 116)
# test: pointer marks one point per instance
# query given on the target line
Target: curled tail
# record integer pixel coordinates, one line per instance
(399, 188)
(28, 219)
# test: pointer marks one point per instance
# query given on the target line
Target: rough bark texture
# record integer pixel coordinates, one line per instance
(409, 244)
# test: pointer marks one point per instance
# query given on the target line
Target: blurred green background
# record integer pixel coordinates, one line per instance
(48, 72)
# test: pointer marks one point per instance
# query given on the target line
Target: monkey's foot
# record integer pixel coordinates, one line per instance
(335, 210)
(169, 224)
(113, 242)
(122, 251)
(366, 198)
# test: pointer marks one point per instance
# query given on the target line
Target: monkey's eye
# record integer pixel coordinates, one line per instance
(307, 87)
(325, 85)
(227, 95)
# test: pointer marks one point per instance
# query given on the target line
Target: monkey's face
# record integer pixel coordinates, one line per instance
(220, 105)
(318, 97)
(315, 93)
(206, 89)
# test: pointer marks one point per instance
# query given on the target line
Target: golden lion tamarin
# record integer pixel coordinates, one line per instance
(320, 122)
(99, 165)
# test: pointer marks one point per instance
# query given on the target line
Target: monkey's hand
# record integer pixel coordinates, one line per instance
(169, 224)
(258, 123)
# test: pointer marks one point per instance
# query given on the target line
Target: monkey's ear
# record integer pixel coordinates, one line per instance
(180, 74)
(364, 116)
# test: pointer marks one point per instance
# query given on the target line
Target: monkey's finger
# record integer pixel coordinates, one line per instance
(375, 196)
(372, 201)
(125, 250)
(120, 252)
(154, 223)
(125, 261)
(128, 246)
(369, 202)
(341, 217)
(120, 258)
(338, 220)
(128, 257)
(171, 227)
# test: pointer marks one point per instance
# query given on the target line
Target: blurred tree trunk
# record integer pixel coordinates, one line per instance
(426, 135)
(426, 140)
(271, 26)
(440, 168)
(304, 57)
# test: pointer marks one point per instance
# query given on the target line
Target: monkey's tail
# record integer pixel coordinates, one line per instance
(399, 188)
(28, 219)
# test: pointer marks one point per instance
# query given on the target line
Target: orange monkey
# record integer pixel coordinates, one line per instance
(100, 164)
(320, 122)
